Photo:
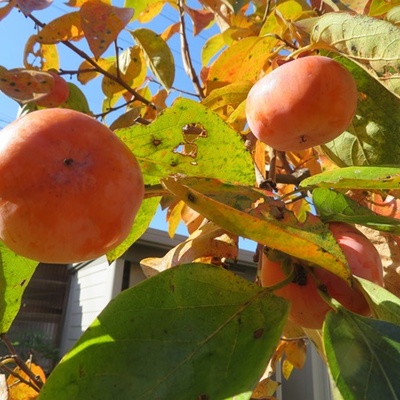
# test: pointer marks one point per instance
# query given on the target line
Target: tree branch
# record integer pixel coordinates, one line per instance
(187, 60)
(102, 71)
(36, 381)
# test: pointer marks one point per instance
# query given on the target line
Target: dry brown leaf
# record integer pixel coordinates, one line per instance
(208, 243)
(265, 389)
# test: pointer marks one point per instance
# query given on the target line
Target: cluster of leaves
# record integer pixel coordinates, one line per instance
(197, 330)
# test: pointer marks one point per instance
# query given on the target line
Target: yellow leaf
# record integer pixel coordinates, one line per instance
(50, 58)
(170, 31)
(102, 23)
(257, 215)
(296, 352)
(151, 11)
(4, 11)
(66, 27)
(287, 368)
(209, 241)
(134, 75)
(19, 390)
(174, 217)
(87, 71)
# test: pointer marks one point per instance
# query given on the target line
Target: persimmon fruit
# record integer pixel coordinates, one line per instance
(59, 92)
(308, 308)
(301, 104)
(70, 188)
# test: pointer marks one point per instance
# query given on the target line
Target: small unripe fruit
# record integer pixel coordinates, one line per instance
(70, 188)
(303, 103)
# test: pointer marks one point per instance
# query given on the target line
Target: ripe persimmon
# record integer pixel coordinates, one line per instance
(70, 188)
(59, 92)
(301, 104)
(308, 308)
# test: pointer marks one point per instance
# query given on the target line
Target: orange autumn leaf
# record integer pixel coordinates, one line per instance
(19, 390)
(102, 23)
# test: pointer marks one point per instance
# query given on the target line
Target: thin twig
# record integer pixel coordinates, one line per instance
(19, 377)
(187, 60)
(102, 71)
(36, 380)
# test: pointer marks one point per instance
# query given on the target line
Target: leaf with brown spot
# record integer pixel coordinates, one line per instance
(102, 23)
(25, 85)
(66, 27)
(257, 215)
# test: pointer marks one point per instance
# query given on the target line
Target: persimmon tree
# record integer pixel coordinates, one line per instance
(193, 329)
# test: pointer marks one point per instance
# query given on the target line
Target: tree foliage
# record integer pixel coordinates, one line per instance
(194, 329)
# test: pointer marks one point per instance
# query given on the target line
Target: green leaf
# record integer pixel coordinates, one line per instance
(254, 214)
(194, 331)
(211, 47)
(158, 55)
(362, 177)
(143, 219)
(379, 7)
(372, 42)
(190, 139)
(363, 356)
(335, 206)
(385, 304)
(15, 274)
(76, 100)
(372, 137)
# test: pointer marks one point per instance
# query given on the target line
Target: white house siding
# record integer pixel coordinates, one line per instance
(92, 286)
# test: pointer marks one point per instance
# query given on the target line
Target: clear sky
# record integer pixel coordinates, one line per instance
(15, 30)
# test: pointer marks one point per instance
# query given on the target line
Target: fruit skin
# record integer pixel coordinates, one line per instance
(303, 103)
(58, 94)
(308, 309)
(69, 189)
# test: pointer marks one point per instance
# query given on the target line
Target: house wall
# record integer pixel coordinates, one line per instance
(92, 286)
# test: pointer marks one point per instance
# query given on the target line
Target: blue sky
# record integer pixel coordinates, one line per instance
(15, 30)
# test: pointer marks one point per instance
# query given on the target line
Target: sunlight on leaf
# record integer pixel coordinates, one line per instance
(102, 23)
(254, 214)
(174, 340)
(244, 60)
(159, 146)
(15, 274)
(371, 139)
(158, 55)
(384, 304)
(66, 27)
(19, 390)
(335, 206)
(363, 356)
(362, 177)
